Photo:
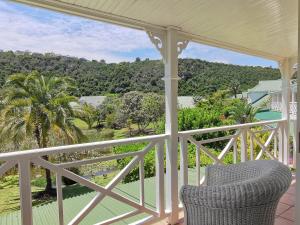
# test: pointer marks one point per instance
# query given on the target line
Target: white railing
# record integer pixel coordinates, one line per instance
(250, 141)
(276, 106)
(236, 140)
(24, 159)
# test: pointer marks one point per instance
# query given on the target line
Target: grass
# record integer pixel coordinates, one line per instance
(10, 195)
(81, 124)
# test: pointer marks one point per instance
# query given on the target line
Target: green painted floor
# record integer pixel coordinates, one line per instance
(48, 214)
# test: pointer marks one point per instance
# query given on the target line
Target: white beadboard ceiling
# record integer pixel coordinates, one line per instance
(266, 28)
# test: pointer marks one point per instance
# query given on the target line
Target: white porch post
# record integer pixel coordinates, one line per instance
(171, 92)
(286, 67)
(170, 46)
(293, 97)
(297, 133)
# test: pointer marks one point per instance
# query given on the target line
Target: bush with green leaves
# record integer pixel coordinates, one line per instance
(149, 161)
(141, 109)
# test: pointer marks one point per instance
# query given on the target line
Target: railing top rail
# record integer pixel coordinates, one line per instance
(230, 127)
(77, 147)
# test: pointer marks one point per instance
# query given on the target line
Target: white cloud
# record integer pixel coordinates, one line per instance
(38, 30)
(68, 35)
(220, 61)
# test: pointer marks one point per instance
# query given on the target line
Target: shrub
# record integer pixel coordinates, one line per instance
(39, 182)
(107, 134)
(149, 161)
(9, 181)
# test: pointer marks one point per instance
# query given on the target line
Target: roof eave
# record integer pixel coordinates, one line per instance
(141, 25)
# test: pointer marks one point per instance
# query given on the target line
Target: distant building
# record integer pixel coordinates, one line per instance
(270, 92)
(186, 102)
(92, 100)
(259, 95)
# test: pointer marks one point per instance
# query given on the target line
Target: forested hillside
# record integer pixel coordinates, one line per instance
(99, 78)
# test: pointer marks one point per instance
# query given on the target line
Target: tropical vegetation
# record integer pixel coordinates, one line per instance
(39, 108)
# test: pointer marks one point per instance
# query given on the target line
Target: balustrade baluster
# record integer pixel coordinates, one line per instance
(244, 144)
(198, 165)
(183, 160)
(142, 182)
(25, 192)
(59, 195)
(160, 173)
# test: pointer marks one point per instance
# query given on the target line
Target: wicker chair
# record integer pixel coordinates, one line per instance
(240, 194)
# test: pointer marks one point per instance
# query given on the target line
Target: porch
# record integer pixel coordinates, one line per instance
(267, 29)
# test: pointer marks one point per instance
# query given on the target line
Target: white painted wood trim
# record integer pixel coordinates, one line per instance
(7, 166)
(198, 165)
(244, 144)
(77, 147)
(183, 161)
(60, 199)
(137, 24)
(119, 218)
(92, 185)
(142, 182)
(25, 192)
(159, 178)
(230, 127)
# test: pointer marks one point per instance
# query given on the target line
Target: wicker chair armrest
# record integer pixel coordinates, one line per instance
(208, 196)
(221, 174)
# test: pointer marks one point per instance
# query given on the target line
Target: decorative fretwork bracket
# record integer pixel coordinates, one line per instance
(159, 41)
(288, 67)
(181, 45)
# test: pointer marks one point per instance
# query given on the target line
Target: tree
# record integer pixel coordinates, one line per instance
(235, 87)
(38, 107)
(154, 107)
(107, 112)
(131, 109)
(141, 109)
(88, 114)
(242, 112)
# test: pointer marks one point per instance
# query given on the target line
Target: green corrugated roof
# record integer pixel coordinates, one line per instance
(48, 214)
(267, 85)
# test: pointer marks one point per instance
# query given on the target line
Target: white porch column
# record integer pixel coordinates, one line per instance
(171, 91)
(297, 133)
(170, 46)
(286, 69)
(293, 97)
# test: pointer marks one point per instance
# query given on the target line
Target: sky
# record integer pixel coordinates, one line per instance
(27, 28)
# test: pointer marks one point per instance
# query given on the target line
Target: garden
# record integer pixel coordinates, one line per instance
(39, 111)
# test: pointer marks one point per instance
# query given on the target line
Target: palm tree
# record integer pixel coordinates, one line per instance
(37, 107)
(88, 114)
(242, 112)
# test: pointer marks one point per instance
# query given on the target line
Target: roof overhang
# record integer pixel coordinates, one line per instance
(264, 28)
